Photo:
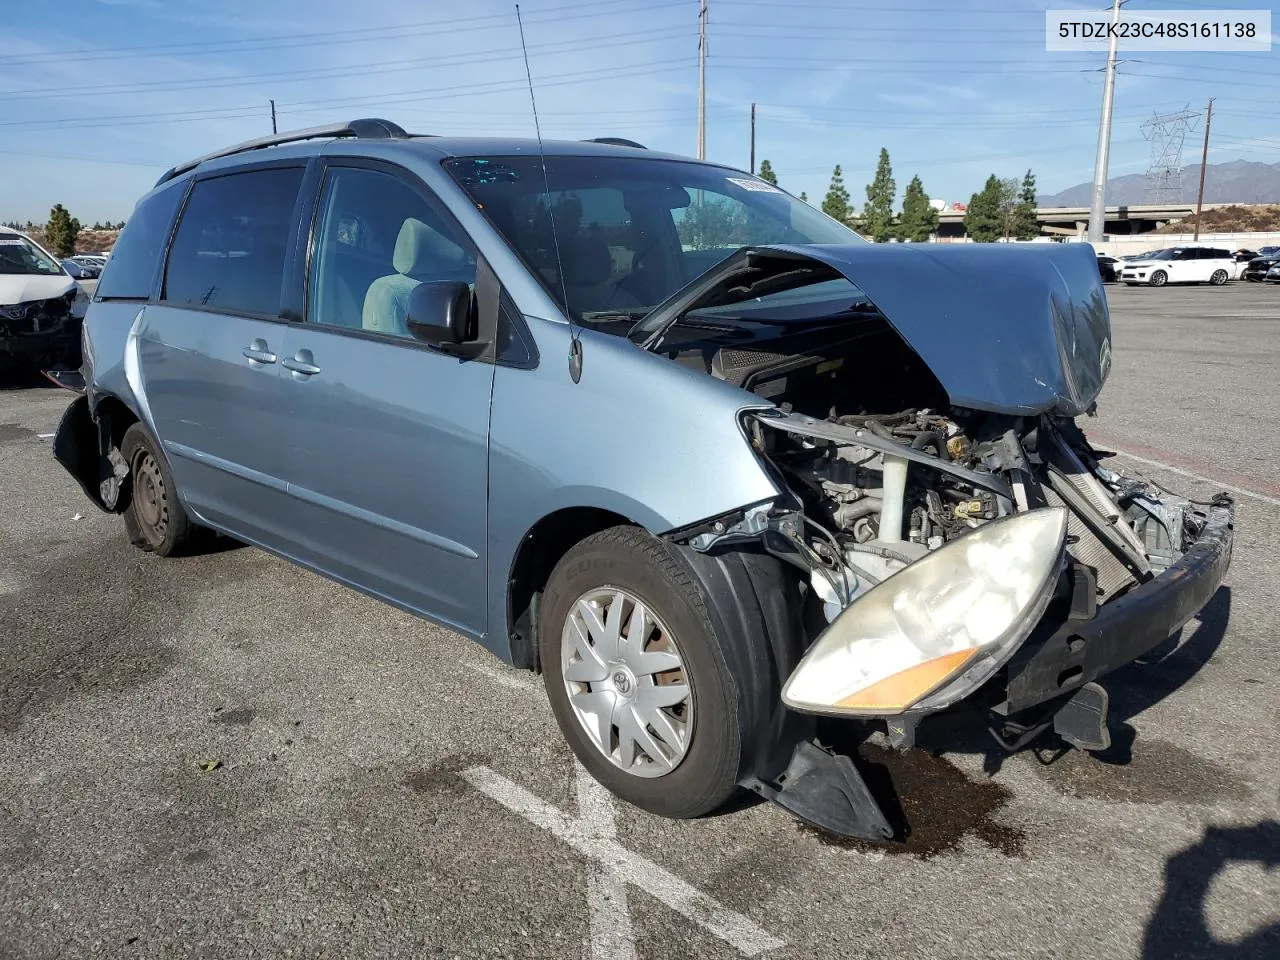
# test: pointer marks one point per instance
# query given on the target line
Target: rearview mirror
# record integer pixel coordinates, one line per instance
(440, 312)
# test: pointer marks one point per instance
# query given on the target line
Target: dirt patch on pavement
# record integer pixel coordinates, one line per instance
(10, 432)
(1155, 772)
(931, 804)
(91, 623)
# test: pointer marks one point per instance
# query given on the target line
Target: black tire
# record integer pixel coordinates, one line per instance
(1218, 278)
(155, 519)
(1158, 279)
(629, 558)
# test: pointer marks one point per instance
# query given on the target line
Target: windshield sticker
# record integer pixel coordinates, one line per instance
(757, 185)
(12, 242)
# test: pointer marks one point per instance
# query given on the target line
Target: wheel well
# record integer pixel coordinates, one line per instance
(115, 418)
(539, 552)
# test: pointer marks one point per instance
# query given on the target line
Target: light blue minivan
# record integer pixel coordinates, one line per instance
(708, 461)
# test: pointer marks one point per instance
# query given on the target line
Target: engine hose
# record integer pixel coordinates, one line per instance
(886, 553)
(880, 430)
(932, 436)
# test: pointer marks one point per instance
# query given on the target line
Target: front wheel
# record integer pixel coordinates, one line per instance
(1219, 278)
(1158, 279)
(637, 677)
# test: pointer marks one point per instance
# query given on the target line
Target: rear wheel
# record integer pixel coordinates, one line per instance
(1219, 278)
(1158, 279)
(155, 519)
(637, 677)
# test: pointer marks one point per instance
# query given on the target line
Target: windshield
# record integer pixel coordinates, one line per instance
(631, 231)
(1160, 254)
(18, 255)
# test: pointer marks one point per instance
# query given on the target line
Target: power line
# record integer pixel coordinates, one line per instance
(344, 36)
(499, 54)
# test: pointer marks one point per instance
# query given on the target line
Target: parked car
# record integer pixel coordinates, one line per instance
(1180, 265)
(1108, 268)
(79, 270)
(650, 426)
(1256, 269)
(1273, 274)
(41, 306)
(94, 260)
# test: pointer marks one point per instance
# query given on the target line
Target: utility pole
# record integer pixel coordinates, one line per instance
(753, 139)
(273, 116)
(702, 79)
(1098, 208)
(1204, 162)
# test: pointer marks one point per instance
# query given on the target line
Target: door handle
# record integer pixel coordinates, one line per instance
(300, 365)
(258, 353)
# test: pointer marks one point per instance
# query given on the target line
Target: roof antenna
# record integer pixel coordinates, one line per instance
(575, 345)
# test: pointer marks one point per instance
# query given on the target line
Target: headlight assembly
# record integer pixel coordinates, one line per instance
(937, 630)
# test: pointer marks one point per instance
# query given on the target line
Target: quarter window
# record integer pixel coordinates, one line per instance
(135, 259)
(230, 247)
(378, 238)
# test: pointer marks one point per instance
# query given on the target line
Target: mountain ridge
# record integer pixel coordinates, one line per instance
(1234, 181)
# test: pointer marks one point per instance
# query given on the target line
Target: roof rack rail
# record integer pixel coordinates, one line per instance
(367, 129)
(617, 142)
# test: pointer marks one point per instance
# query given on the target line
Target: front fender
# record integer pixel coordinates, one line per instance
(638, 436)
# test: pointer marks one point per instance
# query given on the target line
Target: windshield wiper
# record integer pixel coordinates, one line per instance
(607, 315)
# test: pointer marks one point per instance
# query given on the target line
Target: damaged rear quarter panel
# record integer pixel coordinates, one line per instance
(1015, 330)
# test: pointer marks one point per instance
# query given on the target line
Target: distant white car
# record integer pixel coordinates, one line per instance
(1181, 265)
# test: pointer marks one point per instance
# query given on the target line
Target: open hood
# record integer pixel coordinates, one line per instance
(1018, 330)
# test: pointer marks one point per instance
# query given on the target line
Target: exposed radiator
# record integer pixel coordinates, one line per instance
(1113, 576)
(1086, 548)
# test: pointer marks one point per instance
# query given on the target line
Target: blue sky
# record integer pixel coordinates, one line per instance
(98, 97)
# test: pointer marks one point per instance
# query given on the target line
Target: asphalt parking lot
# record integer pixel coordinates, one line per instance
(226, 756)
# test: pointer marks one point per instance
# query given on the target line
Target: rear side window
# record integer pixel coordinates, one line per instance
(136, 256)
(229, 250)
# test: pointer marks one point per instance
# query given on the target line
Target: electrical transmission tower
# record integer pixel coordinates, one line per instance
(1166, 134)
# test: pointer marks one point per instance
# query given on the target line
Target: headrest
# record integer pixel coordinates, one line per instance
(422, 250)
(586, 261)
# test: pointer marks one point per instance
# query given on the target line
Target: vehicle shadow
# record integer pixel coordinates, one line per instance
(1133, 689)
(1178, 927)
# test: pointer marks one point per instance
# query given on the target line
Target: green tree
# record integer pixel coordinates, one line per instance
(766, 173)
(1009, 188)
(877, 212)
(919, 221)
(982, 218)
(1025, 224)
(61, 231)
(836, 202)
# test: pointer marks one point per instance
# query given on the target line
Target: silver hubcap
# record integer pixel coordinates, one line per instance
(626, 682)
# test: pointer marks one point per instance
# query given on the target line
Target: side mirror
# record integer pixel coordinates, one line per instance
(440, 312)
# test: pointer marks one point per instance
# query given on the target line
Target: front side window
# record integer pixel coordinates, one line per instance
(630, 230)
(229, 250)
(377, 239)
(19, 256)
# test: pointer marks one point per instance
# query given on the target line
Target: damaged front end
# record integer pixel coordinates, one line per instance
(969, 546)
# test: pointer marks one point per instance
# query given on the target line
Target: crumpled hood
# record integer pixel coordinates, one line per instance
(23, 288)
(1018, 330)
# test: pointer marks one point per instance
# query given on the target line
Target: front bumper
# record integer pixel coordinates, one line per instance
(1064, 654)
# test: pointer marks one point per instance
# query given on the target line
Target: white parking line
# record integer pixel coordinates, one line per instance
(609, 917)
(1243, 491)
(507, 676)
(592, 833)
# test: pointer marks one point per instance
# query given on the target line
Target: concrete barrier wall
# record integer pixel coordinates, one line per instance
(1124, 246)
